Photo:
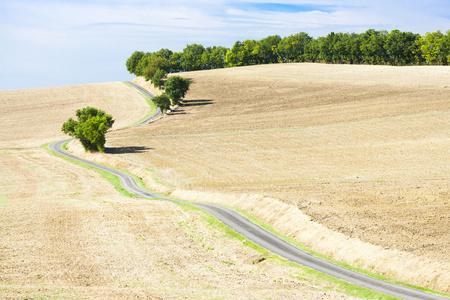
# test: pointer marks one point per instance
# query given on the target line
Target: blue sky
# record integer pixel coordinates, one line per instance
(51, 43)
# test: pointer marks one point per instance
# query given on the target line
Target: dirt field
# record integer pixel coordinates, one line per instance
(362, 150)
(65, 232)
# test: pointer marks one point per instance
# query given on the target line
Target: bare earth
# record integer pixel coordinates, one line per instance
(362, 151)
(65, 232)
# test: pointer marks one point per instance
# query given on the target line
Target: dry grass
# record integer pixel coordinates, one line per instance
(362, 150)
(66, 233)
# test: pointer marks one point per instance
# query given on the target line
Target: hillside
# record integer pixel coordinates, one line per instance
(362, 150)
(65, 232)
(32, 117)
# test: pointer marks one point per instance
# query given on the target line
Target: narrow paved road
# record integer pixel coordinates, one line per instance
(260, 236)
(149, 95)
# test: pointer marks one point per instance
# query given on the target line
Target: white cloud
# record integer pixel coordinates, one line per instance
(85, 31)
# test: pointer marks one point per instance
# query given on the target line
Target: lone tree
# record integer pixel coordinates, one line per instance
(176, 88)
(90, 128)
(162, 101)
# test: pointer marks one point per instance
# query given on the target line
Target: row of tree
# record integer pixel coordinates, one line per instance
(371, 47)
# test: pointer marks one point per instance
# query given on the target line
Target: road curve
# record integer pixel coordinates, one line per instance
(149, 95)
(259, 235)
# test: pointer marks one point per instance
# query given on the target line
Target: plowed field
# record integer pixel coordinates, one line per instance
(362, 150)
(66, 233)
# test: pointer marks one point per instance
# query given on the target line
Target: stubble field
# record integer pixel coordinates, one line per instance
(65, 232)
(362, 150)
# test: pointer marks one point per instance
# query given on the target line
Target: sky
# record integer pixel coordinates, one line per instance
(47, 43)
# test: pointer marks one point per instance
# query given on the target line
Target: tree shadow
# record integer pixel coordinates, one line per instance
(196, 102)
(124, 150)
(177, 112)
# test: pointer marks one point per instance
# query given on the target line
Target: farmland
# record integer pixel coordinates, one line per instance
(361, 152)
(65, 232)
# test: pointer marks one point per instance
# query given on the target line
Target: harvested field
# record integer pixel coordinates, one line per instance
(65, 232)
(362, 150)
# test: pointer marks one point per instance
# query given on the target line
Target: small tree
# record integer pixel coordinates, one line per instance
(162, 101)
(176, 88)
(90, 128)
(158, 77)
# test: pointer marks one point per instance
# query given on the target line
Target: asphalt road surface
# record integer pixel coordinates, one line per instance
(259, 235)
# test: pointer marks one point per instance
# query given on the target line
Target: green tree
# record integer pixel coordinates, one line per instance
(218, 57)
(372, 47)
(234, 56)
(175, 63)
(164, 52)
(268, 47)
(253, 54)
(434, 48)
(206, 60)
(162, 101)
(339, 52)
(401, 47)
(245, 53)
(176, 88)
(155, 63)
(90, 128)
(311, 51)
(133, 61)
(323, 48)
(142, 64)
(446, 43)
(331, 48)
(191, 57)
(292, 48)
(158, 77)
(353, 46)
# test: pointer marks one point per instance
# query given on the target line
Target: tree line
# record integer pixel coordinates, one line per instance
(372, 47)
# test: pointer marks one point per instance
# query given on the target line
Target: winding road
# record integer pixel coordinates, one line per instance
(257, 234)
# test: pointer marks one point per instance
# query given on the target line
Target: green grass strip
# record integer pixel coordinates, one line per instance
(149, 102)
(336, 262)
(108, 176)
(304, 273)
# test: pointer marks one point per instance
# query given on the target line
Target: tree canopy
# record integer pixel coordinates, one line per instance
(176, 88)
(90, 128)
(133, 61)
(162, 101)
(158, 77)
(370, 47)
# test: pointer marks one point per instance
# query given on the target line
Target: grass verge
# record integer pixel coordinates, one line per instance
(303, 273)
(108, 176)
(339, 263)
(149, 101)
